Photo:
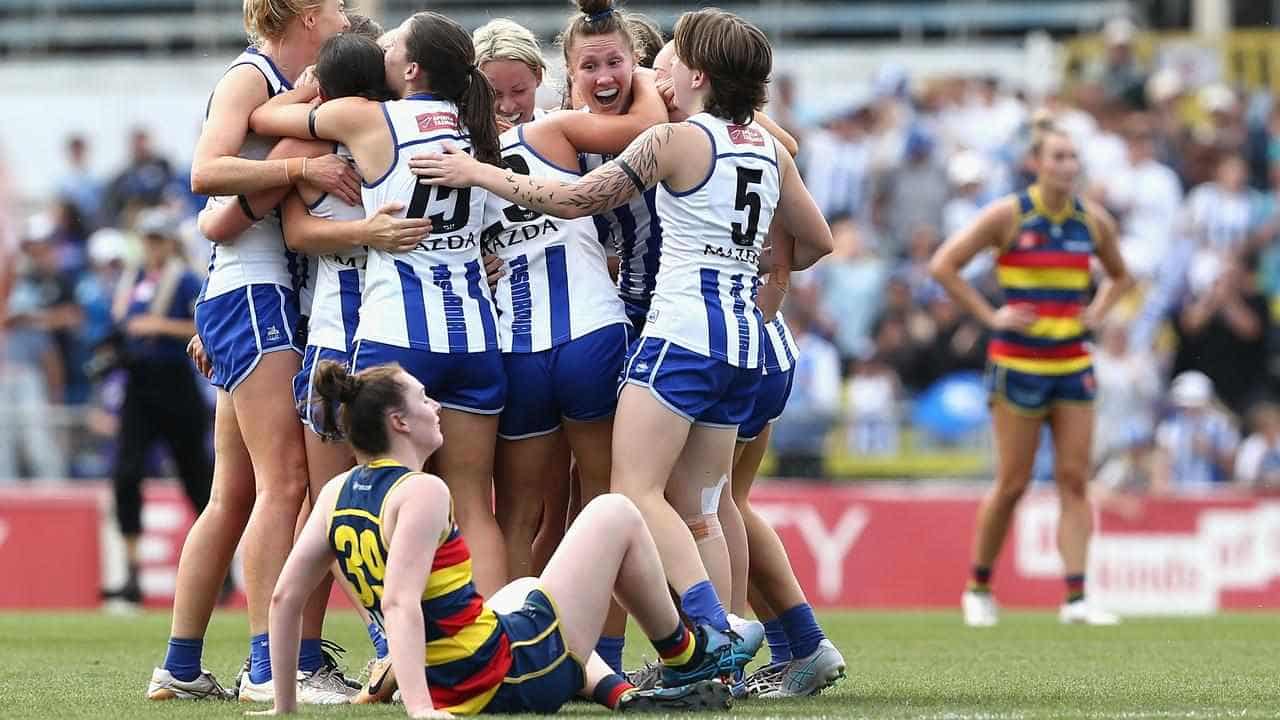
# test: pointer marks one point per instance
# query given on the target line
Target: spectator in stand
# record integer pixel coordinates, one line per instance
(911, 194)
(154, 308)
(850, 284)
(41, 308)
(921, 243)
(836, 160)
(800, 435)
(1165, 91)
(1222, 330)
(1128, 382)
(78, 185)
(1222, 133)
(142, 183)
(1258, 461)
(1145, 196)
(69, 235)
(1223, 213)
(1196, 444)
(958, 342)
(967, 173)
(872, 397)
(1121, 77)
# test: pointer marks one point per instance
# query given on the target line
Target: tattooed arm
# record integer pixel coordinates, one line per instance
(648, 159)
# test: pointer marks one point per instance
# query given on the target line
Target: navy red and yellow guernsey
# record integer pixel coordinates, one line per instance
(1046, 267)
(467, 652)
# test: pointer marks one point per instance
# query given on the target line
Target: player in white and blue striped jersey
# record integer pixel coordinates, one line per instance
(429, 310)
(247, 319)
(562, 327)
(690, 380)
(330, 236)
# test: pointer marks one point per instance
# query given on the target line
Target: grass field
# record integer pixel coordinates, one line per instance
(901, 665)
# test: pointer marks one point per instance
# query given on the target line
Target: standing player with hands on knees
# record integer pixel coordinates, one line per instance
(690, 379)
(1039, 365)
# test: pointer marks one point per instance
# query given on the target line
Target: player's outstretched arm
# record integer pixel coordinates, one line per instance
(646, 160)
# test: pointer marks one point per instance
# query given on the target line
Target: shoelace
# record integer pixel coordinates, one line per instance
(222, 692)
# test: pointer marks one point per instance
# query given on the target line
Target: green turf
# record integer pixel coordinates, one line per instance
(901, 665)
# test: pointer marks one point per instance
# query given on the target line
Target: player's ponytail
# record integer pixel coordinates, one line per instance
(354, 406)
(476, 108)
(447, 56)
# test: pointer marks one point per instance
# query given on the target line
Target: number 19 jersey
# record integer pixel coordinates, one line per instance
(434, 297)
(705, 299)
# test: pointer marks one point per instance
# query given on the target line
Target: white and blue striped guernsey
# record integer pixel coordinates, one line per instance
(557, 286)
(779, 347)
(434, 297)
(339, 280)
(258, 256)
(634, 233)
(705, 300)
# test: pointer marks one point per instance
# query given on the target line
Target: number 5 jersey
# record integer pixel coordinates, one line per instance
(705, 299)
(435, 297)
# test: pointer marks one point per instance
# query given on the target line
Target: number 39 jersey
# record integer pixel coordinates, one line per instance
(434, 297)
(705, 300)
(557, 286)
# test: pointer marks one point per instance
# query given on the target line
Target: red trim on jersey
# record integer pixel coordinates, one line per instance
(1045, 259)
(1006, 348)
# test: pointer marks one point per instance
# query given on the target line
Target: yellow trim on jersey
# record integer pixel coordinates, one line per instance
(1056, 328)
(1026, 278)
(1041, 209)
(539, 637)
(539, 672)
(464, 644)
(328, 521)
(1044, 366)
(384, 463)
(475, 704)
(357, 512)
(387, 496)
(445, 580)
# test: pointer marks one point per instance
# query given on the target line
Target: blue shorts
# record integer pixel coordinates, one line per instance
(470, 382)
(543, 675)
(1034, 394)
(637, 313)
(771, 400)
(239, 327)
(577, 380)
(303, 396)
(698, 388)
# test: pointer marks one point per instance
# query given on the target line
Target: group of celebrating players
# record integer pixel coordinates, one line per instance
(434, 310)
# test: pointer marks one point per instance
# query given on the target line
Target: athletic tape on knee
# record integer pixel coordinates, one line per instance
(711, 496)
(705, 528)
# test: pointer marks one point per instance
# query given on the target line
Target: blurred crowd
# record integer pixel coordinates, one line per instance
(69, 273)
(1186, 369)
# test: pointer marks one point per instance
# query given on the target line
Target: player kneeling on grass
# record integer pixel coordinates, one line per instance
(396, 542)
